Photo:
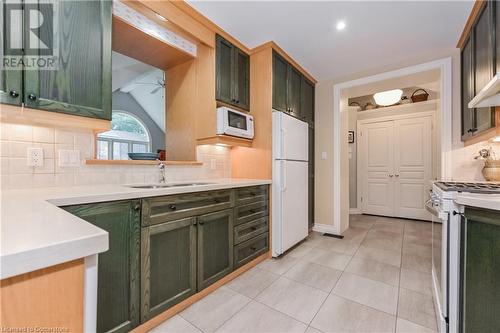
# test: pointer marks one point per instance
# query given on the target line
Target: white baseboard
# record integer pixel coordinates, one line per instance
(325, 228)
(354, 211)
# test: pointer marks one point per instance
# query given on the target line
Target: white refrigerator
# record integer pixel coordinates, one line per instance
(290, 182)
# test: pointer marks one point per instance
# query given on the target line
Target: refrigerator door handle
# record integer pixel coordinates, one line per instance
(283, 176)
(283, 135)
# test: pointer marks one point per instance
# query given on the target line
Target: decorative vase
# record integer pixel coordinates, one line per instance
(491, 170)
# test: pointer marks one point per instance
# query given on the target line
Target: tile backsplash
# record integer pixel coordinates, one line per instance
(465, 167)
(15, 173)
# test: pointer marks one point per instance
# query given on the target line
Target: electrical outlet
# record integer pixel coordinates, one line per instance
(213, 164)
(35, 157)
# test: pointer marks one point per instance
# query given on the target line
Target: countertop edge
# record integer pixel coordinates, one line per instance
(486, 201)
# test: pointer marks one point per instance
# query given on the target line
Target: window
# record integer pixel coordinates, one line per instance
(128, 135)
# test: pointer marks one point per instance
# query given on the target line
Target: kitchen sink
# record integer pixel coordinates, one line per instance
(153, 186)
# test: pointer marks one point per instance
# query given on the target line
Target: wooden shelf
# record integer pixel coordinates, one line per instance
(138, 162)
(225, 140)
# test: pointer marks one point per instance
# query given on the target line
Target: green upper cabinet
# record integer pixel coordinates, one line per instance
(232, 74)
(293, 96)
(497, 35)
(81, 82)
(215, 247)
(168, 265)
(10, 80)
(292, 92)
(307, 101)
(118, 282)
(280, 83)
(479, 63)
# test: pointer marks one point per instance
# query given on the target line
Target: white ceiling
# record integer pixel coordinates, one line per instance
(378, 33)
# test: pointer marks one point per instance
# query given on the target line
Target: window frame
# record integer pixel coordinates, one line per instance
(110, 141)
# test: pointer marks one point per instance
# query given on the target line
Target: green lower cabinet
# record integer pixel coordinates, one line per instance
(168, 265)
(480, 267)
(118, 268)
(215, 247)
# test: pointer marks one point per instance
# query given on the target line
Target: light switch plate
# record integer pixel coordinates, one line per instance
(35, 157)
(68, 158)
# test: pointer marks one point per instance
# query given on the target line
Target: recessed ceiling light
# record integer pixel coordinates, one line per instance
(161, 17)
(341, 25)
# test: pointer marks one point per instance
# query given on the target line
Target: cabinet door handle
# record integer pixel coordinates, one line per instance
(172, 207)
(137, 207)
(253, 228)
(472, 130)
(13, 94)
(32, 97)
(201, 223)
(253, 248)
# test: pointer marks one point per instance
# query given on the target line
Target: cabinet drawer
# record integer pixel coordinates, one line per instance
(250, 249)
(250, 212)
(162, 209)
(247, 195)
(244, 232)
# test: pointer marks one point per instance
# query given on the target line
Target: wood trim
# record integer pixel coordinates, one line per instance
(285, 55)
(476, 10)
(225, 140)
(138, 44)
(47, 298)
(147, 326)
(191, 11)
(24, 115)
(138, 162)
(184, 20)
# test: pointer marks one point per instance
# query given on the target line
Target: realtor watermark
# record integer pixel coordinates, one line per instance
(29, 38)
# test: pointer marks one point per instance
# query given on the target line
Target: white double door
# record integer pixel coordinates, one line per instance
(396, 167)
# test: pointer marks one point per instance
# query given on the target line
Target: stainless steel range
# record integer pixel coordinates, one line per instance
(446, 246)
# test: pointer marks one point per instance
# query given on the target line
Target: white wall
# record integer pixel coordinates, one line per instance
(464, 168)
(16, 138)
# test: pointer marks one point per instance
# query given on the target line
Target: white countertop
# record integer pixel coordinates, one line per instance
(487, 201)
(36, 233)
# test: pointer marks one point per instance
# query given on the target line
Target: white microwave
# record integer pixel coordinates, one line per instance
(234, 123)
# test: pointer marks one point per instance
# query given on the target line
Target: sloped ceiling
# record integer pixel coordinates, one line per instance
(139, 80)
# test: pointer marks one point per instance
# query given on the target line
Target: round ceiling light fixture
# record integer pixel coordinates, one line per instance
(341, 25)
(389, 97)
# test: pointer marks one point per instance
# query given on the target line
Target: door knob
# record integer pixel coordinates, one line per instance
(397, 175)
(13, 94)
(391, 176)
(32, 97)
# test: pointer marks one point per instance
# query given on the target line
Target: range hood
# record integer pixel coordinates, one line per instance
(488, 96)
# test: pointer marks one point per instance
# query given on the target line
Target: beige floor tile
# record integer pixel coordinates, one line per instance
(384, 256)
(212, 311)
(338, 245)
(382, 242)
(278, 266)
(420, 250)
(396, 227)
(312, 330)
(257, 317)
(417, 308)
(355, 234)
(418, 226)
(340, 315)
(294, 299)
(360, 223)
(405, 326)
(314, 275)
(423, 240)
(301, 250)
(176, 324)
(330, 259)
(368, 292)
(252, 282)
(416, 263)
(374, 270)
(417, 281)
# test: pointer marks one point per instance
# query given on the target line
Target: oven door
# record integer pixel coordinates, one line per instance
(440, 259)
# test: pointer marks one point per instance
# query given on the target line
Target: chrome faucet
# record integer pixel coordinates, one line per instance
(161, 167)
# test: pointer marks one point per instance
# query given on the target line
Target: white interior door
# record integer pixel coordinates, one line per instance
(378, 160)
(396, 167)
(294, 213)
(413, 166)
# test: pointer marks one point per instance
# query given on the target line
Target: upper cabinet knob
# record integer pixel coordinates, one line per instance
(32, 97)
(13, 94)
